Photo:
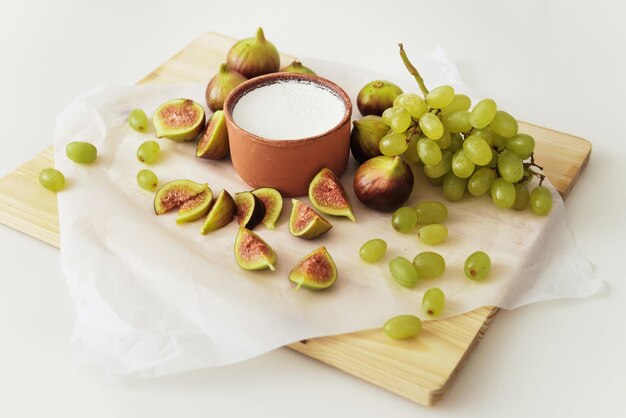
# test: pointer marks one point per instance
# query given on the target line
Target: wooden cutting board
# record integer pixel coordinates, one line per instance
(420, 370)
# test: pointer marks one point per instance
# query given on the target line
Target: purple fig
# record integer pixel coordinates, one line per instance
(297, 67)
(220, 85)
(366, 134)
(252, 57)
(383, 183)
(376, 97)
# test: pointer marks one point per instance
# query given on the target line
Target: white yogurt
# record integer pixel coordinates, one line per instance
(288, 110)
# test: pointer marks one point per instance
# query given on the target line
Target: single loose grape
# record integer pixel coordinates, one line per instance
(393, 144)
(522, 197)
(373, 250)
(521, 144)
(148, 152)
(433, 234)
(429, 265)
(460, 102)
(147, 180)
(502, 193)
(457, 122)
(52, 179)
(440, 97)
(481, 181)
(477, 266)
(541, 201)
(431, 125)
(403, 326)
(504, 124)
(138, 120)
(404, 219)
(454, 187)
(428, 151)
(483, 113)
(477, 150)
(433, 302)
(442, 167)
(431, 212)
(411, 155)
(81, 152)
(510, 166)
(462, 166)
(397, 119)
(403, 271)
(412, 103)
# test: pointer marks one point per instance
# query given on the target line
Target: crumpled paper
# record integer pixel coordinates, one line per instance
(155, 298)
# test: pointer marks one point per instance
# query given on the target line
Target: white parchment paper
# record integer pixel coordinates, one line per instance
(154, 298)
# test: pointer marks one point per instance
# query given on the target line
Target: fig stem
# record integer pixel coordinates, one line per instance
(260, 36)
(413, 70)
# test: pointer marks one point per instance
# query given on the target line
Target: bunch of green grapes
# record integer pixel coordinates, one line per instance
(463, 149)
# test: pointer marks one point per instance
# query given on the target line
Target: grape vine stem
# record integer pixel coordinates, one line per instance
(413, 70)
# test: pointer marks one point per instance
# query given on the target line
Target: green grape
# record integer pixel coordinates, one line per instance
(403, 326)
(435, 181)
(494, 159)
(477, 266)
(481, 181)
(521, 144)
(460, 102)
(404, 219)
(148, 152)
(431, 212)
(457, 122)
(502, 193)
(485, 134)
(442, 167)
(527, 177)
(445, 141)
(477, 150)
(510, 166)
(504, 124)
(403, 271)
(52, 179)
(147, 180)
(431, 126)
(462, 166)
(483, 113)
(456, 142)
(429, 265)
(498, 142)
(522, 197)
(397, 119)
(373, 250)
(138, 120)
(453, 187)
(432, 234)
(440, 97)
(393, 144)
(433, 302)
(541, 201)
(428, 151)
(411, 154)
(81, 152)
(412, 103)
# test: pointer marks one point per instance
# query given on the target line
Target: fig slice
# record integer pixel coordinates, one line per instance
(179, 120)
(213, 143)
(252, 252)
(250, 210)
(196, 207)
(175, 193)
(316, 271)
(305, 222)
(328, 195)
(273, 202)
(221, 213)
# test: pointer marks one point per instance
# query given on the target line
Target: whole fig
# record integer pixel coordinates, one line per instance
(220, 85)
(297, 67)
(377, 96)
(253, 57)
(383, 183)
(366, 134)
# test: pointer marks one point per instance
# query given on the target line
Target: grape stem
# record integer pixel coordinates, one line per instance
(413, 70)
(533, 163)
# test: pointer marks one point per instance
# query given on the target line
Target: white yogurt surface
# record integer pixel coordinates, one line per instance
(288, 110)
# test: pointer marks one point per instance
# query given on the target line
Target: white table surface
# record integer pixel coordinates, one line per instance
(560, 64)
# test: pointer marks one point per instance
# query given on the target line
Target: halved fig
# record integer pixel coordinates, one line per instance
(221, 213)
(175, 193)
(213, 143)
(316, 271)
(328, 195)
(273, 203)
(250, 210)
(179, 120)
(252, 252)
(305, 222)
(196, 207)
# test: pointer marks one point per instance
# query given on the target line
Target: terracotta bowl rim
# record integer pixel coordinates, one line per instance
(256, 82)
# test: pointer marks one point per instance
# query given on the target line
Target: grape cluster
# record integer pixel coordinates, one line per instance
(478, 150)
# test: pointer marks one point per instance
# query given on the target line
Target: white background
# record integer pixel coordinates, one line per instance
(560, 64)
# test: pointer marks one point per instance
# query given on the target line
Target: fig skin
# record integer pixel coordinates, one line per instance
(314, 224)
(297, 67)
(383, 183)
(195, 208)
(252, 57)
(366, 134)
(221, 85)
(173, 194)
(316, 271)
(328, 195)
(252, 252)
(272, 202)
(221, 214)
(376, 97)
(213, 144)
(187, 116)
(250, 210)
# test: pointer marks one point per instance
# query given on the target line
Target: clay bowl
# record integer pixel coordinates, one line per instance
(287, 165)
